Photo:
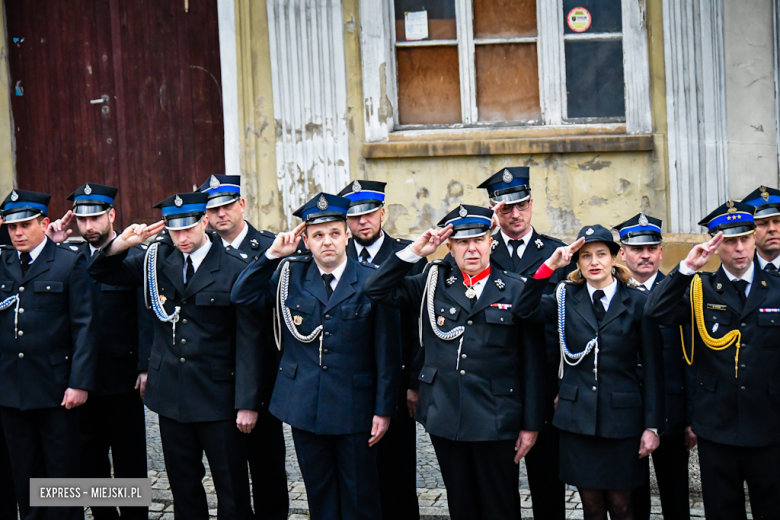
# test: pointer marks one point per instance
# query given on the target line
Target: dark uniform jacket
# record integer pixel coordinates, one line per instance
(124, 329)
(743, 410)
(358, 375)
(616, 405)
(213, 368)
(488, 391)
(406, 334)
(55, 346)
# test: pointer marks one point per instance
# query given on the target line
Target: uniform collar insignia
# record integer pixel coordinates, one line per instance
(500, 284)
(494, 244)
(254, 243)
(451, 280)
(539, 243)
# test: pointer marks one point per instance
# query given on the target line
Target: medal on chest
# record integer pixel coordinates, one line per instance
(471, 281)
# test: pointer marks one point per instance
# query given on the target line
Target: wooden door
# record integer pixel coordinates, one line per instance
(126, 93)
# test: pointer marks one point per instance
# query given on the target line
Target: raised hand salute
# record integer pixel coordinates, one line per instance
(702, 253)
(563, 255)
(286, 244)
(134, 235)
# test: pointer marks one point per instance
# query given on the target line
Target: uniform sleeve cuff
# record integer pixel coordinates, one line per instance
(543, 272)
(685, 270)
(407, 255)
(270, 256)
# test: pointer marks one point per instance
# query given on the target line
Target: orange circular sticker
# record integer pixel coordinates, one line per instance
(579, 19)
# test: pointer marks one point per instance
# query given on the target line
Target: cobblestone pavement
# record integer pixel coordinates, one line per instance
(430, 487)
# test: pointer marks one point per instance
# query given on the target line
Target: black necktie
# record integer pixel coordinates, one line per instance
(770, 267)
(515, 250)
(328, 278)
(190, 270)
(25, 260)
(740, 286)
(364, 255)
(598, 307)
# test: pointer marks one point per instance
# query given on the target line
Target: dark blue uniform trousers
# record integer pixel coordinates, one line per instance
(183, 446)
(115, 423)
(8, 509)
(42, 443)
(671, 470)
(397, 463)
(340, 475)
(265, 451)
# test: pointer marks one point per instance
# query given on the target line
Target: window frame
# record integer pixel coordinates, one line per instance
(378, 54)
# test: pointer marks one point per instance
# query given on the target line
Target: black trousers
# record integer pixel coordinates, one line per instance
(42, 443)
(671, 470)
(397, 463)
(340, 475)
(8, 510)
(115, 423)
(183, 446)
(265, 452)
(548, 493)
(724, 469)
(481, 478)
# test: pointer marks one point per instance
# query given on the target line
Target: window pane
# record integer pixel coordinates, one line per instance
(605, 15)
(441, 18)
(428, 85)
(594, 79)
(507, 82)
(504, 18)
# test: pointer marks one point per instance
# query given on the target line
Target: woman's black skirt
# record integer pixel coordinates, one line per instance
(599, 463)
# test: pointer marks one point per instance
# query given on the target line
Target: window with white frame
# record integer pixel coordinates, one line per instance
(471, 63)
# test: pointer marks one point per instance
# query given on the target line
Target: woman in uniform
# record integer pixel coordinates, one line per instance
(608, 420)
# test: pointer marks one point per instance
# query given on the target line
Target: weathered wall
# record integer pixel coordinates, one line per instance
(570, 190)
(750, 96)
(6, 119)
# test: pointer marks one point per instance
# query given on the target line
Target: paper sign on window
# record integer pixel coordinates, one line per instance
(416, 25)
(579, 19)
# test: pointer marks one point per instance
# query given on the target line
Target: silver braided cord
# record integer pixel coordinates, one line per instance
(8, 302)
(151, 293)
(283, 312)
(566, 355)
(427, 298)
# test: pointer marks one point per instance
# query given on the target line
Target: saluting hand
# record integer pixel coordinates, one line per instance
(427, 243)
(134, 235)
(701, 254)
(246, 420)
(286, 244)
(561, 257)
(58, 230)
(494, 221)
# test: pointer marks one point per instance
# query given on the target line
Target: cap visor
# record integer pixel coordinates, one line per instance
(178, 223)
(771, 211)
(363, 209)
(22, 216)
(511, 198)
(90, 210)
(469, 232)
(325, 218)
(222, 200)
(736, 231)
(647, 239)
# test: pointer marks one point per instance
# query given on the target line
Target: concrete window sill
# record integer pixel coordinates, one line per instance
(444, 144)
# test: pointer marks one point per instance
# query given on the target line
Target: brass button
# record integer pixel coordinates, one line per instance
(183, 341)
(21, 355)
(182, 360)
(463, 372)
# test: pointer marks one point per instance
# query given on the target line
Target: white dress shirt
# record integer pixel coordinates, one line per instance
(373, 249)
(92, 248)
(337, 274)
(648, 284)
(525, 238)
(762, 263)
(236, 243)
(609, 293)
(748, 276)
(37, 251)
(197, 257)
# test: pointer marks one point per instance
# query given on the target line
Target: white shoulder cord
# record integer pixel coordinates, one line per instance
(566, 355)
(427, 299)
(283, 312)
(151, 294)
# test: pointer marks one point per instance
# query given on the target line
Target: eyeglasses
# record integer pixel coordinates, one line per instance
(509, 208)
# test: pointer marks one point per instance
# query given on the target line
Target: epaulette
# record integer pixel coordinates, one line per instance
(439, 262)
(401, 243)
(369, 265)
(640, 288)
(508, 274)
(68, 247)
(553, 239)
(268, 234)
(6, 247)
(237, 254)
(773, 273)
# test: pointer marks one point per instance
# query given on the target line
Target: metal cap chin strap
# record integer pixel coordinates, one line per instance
(151, 293)
(566, 355)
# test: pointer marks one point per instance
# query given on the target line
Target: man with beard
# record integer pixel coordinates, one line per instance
(265, 448)
(48, 350)
(767, 218)
(204, 367)
(397, 454)
(519, 248)
(112, 420)
(338, 378)
(641, 249)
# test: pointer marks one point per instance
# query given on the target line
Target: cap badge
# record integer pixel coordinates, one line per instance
(322, 203)
(451, 280)
(213, 182)
(589, 231)
(764, 194)
(87, 189)
(356, 187)
(730, 205)
(507, 177)
(297, 320)
(14, 196)
(539, 243)
(463, 212)
(178, 201)
(643, 220)
(440, 320)
(453, 310)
